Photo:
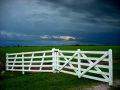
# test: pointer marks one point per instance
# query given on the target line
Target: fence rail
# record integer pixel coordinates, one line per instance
(95, 65)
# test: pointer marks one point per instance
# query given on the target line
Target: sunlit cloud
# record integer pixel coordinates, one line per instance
(6, 34)
(66, 38)
(45, 37)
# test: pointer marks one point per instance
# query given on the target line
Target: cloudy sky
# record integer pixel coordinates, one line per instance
(59, 22)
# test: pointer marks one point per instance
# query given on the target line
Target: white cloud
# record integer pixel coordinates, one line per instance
(19, 35)
(44, 37)
(67, 37)
(5, 34)
(64, 37)
(12, 34)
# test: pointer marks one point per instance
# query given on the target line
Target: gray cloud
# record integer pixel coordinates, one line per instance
(60, 20)
(93, 11)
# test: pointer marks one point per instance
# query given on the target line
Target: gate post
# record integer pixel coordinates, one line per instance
(23, 64)
(6, 61)
(110, 67)
(79, 61)
(53, 59)
(57, 60)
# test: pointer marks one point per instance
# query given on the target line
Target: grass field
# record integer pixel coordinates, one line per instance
(51, 81)
(116, 49)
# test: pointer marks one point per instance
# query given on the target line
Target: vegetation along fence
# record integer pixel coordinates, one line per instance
(95, 65)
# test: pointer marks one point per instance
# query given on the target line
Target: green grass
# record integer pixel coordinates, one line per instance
(47, 81)
(42, 81)
(50, 81)
(116, 49)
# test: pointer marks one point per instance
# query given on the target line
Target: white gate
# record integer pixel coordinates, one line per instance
(38, 61)
(95, 65)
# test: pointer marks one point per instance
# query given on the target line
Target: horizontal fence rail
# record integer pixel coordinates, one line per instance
(96, 65)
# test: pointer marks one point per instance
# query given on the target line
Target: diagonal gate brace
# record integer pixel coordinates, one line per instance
(68, 61)
(102, 57)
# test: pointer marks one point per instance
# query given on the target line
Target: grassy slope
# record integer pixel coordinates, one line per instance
(50, 81)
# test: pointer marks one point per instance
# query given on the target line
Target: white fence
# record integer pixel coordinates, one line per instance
(95, 65)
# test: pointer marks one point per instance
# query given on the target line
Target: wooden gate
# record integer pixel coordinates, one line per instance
(95, 65)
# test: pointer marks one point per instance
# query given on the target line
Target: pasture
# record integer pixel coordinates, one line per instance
(51, 81)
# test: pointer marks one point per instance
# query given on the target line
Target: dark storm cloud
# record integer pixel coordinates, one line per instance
(60, 22)
(95, 7)
(101, 11)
